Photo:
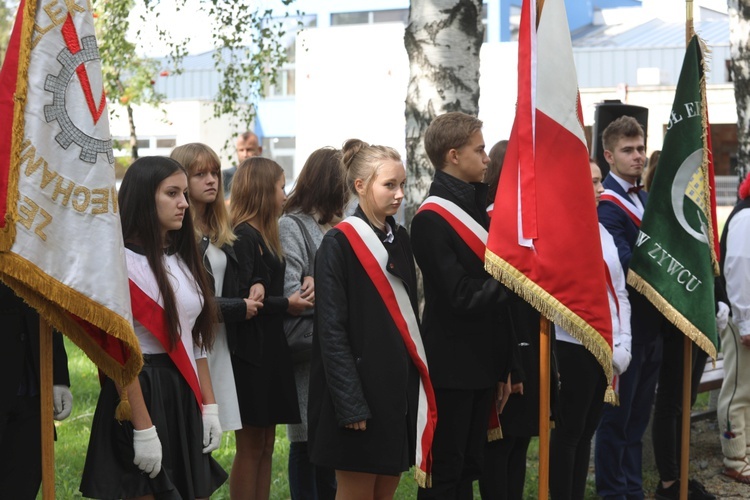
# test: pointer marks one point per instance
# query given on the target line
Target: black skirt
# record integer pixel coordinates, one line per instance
(266, 390)
(186, 472)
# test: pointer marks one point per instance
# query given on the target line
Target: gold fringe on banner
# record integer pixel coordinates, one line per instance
(8, 233)
(423, 479)
(123, 410)
(611, 397)
(672, 314)
(53, 300)
(552, 309)
(494, 434)
(703, 50)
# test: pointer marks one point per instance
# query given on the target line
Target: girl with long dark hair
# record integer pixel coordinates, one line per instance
(164, 451)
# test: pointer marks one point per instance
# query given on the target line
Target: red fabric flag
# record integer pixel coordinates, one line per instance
(544, 236)
(61, 243)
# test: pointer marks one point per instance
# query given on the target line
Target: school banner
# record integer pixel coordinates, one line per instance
(675, 257)
(61, 245)
(544, 236)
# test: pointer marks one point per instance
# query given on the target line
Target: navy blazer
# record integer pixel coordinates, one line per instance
(645, 319)
(618, 223)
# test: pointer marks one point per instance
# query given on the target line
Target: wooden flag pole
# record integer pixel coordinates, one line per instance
(47, 412)
(687, 365)
(687, 357)
(544, 377)
(544, 396)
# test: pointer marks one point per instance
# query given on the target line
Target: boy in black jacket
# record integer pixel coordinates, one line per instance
(464, 334)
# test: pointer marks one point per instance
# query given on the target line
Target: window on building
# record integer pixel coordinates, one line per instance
(285, 76)
(391, 16)
(344, 18)
(166, 142)
(370, 17)
(147, 146)
(281, 150)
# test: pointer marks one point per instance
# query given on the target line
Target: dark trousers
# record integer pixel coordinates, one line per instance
(619, 446)
(21, 450)
(582, 386)
(504, 471)
(666, 428)
(307, 481)
(458, 445)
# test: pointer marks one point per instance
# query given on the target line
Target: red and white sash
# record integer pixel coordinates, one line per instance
(151, 315)
(475, 237)
(632, 211)
(374, 259)
(473, 234)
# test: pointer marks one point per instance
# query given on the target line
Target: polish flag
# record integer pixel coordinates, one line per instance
(543, 240)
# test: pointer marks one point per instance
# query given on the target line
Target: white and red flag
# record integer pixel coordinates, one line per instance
(61, 245)
(543, 240)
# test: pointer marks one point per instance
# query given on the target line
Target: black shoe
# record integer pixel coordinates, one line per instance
(671, 493)
(696, 491)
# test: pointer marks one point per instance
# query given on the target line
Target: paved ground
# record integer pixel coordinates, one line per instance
(706, 464)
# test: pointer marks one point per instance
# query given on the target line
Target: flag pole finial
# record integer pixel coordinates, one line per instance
(689, 28)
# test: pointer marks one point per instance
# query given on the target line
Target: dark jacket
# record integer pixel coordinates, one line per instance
(521, 414)
(19, 356)
(645, 319)
(465, 330)
(247, 343)
(360, 368)
(232, 307)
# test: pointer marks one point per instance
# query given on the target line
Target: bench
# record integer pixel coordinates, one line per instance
(711, 380)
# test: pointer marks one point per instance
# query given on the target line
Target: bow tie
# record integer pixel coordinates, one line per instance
(635, 189)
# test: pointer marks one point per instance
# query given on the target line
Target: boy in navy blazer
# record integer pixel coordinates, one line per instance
(618, 451)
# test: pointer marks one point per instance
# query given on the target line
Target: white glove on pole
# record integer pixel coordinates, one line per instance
(62, 401)
(147, 449)
(620, 359)
(722, 316)
(211, 428)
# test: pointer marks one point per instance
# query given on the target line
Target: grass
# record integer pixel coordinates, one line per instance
(73, 437)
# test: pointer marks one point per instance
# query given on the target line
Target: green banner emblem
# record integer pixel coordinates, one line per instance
(675, 257)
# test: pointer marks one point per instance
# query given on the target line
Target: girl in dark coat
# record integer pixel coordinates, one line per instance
(367, 377)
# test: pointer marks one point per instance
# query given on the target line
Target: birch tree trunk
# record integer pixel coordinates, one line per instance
(739, 41)
(443, 40)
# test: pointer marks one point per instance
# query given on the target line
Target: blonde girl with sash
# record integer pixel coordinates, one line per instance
(164, 451)
(216, 246)
(262, 363)
(371, 412)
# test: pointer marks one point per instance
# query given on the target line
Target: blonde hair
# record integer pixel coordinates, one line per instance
(363, 161)
(196, 158)
(253, 199)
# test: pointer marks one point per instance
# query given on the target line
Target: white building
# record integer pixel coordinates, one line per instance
(350, 70)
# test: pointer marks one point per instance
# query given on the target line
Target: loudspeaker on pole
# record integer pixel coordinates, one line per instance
(606, 112)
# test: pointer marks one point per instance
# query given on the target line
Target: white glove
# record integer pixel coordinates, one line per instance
(620, 359)
(62, 401)
(147, 449)
(722, 316)
(211, 428)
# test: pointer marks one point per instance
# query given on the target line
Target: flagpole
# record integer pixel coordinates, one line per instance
(687, 356)
(687, 365)
(45, 396)
(544, 377)
(544, 396)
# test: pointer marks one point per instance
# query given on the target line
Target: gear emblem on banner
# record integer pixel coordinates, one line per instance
(91, 147)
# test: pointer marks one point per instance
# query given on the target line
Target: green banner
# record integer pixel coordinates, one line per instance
(674, 259)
